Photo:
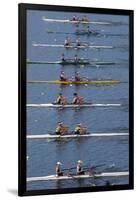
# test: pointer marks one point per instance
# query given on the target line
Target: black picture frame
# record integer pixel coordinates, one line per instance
(22, 97)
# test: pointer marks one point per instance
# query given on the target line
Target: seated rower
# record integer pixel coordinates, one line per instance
(62, 76)
(61, 99)
(76, 58)
(89, 30)
(77, 77)
(79, 130)
(78, 43)
(58, 169)
(79, 170)
(78, 29)
(62, 57)
(61, 129)
(67, 41)
(85, 18)
(77, 99)
(74, 18)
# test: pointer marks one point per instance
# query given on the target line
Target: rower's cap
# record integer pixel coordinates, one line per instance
(75, 94)
(79, 161)
(59, 163)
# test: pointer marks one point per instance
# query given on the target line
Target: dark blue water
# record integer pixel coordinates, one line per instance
(112, 152)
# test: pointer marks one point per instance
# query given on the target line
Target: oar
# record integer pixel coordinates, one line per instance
(110, 166)
(107, 183)
(96, 166)
(73, 168)
(95, 32)
(90, 31)
(82, 43)
(67, 169)
(93, 167)
(50, 31)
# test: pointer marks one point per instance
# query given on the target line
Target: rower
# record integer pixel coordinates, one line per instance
(77, 76)
(61, 99)
(62, 76)
(67, 41)
(78, 43)
(58, 169)
(61, 129)
(78, 29)
(77, 99)
(89, 30)
(79, 130)
(62, 57)
(75, 18)
(85, 19)
(76, 58)
(79, 168)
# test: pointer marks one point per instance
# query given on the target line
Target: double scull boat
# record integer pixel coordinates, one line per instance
(71, 136)
(54, 105)
(72, 62)
(69, 82)
(77, 32)
(71, 46)
(74, 21)
(73, 177)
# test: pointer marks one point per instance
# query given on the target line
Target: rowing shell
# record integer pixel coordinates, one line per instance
(69, 82)
(52, 105)
(55, 178)
(49, 136)
(80, 32)
(81, 22)
(71, 46)
(88, 33)
(73, 22)
(69, 62)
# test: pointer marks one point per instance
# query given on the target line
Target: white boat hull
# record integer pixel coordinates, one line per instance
(56, 178)
(71, 46)
(50, 105)
(49, 136)
(73, 22)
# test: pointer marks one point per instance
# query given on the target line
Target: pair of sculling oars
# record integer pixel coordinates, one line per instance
(72, 168)
(84, 167)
